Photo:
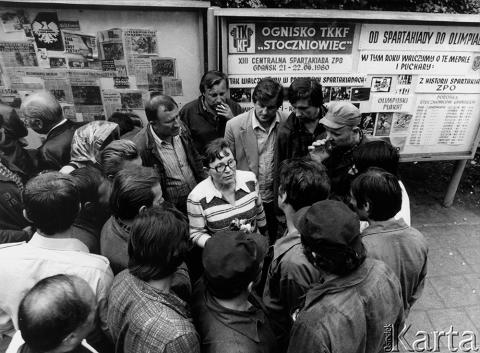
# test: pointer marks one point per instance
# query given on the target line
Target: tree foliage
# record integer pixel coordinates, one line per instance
(429, 6)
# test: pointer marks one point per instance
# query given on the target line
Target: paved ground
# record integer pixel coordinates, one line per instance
(452, 293)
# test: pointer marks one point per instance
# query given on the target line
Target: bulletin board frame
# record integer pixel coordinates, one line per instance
(226, 17)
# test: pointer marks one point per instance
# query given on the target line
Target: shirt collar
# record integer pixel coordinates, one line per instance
(60, 123)
(256, 123)
(211, 191)
(285, 243)
(244, 322)
(387, 226)
(158, 140)
(57, 243)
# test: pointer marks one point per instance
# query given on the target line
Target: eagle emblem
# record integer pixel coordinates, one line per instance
(46, 32)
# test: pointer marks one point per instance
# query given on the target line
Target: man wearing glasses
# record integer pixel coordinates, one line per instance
(252, 137)
(227, 200)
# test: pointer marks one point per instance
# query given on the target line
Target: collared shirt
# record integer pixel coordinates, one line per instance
(179, 176)
(57, 125)
(404, 249)
(144, 319)
(209, 212)
(349, 314)
(290, 275)
(266, 153)
(24, 264)
(226, 330)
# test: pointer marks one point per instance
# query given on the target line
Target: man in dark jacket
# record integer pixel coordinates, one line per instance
(207, 116)
(44, 115)
(227, 316)
(343, 136)
(303, 126)
(166, 145)
(358, 298)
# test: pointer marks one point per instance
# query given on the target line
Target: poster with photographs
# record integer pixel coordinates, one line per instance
(401, 122)
(381, 84)
(140, 41)
(383, 124)
(80, 44)
(14, 54)
(367, 123)
(241, 95)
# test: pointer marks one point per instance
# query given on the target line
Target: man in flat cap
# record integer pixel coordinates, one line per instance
(349, 310)
(343, 135)
(228, 317)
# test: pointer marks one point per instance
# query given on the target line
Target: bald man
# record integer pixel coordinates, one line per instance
(44, 115)
(55, 316)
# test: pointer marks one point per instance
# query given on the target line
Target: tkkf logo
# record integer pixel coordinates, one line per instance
(242, 38)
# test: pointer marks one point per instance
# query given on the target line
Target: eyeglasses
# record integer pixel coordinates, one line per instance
(220, 168)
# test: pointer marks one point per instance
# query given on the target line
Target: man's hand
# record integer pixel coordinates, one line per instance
(319, 151)
(223, 109)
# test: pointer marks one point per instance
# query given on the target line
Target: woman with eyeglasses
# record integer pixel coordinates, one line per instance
(227, 200)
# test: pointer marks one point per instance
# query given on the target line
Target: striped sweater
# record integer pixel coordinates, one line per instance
(209, 212)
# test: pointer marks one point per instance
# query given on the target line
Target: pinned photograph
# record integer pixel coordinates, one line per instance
(57, 63)
(381, 84)
(404, 79)
(383, 125)
(401, 122)
(367, 123)
(360, 94)
(326, 94)
(164, 67)
(241, 95)
(340, 93)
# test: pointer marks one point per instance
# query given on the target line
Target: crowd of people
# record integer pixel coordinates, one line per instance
(207, 230)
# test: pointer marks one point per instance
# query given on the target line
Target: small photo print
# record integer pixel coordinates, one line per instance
(381, 84)
(340, 93)
(58, 62)
(404, 79)
(401, 122)
(241, 95)
(360, 94)
(133, 100)
(326, 94)
(367, 124)
(383, 124)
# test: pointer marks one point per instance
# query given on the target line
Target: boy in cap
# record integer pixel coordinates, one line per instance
(227, 316)
(343, 135)
(347, 311)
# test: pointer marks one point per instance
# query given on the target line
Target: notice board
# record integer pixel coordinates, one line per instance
(416, 82)
(101, 57)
